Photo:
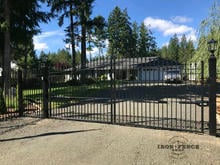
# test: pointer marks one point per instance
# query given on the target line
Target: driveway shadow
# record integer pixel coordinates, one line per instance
(47, 134)
(11, 126)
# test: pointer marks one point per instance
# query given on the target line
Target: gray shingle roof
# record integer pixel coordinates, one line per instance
(127, 63)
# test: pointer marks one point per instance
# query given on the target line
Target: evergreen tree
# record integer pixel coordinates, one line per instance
(173, 48)
(98, 33)
(19, 23)
(67, 9)
(6, 57)
(143, 43)
(165, 52)
(84, 11)
(125, 35)
(134, 41)
(61, 57)
(183, 49)
(119, 33)
(153, 45)
(187, 50)
(146, 43)
(190, 50)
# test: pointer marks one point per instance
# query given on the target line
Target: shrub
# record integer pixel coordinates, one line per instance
(103, 77)
(73, 82)
(89, 81)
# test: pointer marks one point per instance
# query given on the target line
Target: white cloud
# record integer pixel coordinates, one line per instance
(169, 28)
(165, 44)
(38, 45)
(41, 40)
(107, 43)
(178, 29)
(181, 19)
(94, 52)
(192, 36)
(50, 34)
(69, 46)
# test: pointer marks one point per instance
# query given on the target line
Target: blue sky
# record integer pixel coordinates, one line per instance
(163, 17)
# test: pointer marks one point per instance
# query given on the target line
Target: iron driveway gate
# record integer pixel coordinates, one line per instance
(145, 92)
(83, 94)
(153, 101)
(32, 94)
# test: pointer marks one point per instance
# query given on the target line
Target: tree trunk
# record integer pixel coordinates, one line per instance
(7, 59)
(83, 47)
(72, 43)
(25, 63)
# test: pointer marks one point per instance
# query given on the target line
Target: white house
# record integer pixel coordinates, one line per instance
(141, 68)
(154, 69)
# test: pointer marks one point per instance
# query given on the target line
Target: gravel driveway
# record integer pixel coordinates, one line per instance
(27, 141)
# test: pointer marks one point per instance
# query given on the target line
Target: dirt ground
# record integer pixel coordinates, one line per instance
(27, 141)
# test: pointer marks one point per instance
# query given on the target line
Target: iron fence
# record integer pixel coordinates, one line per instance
(9, 103)
(32, 93)
(145, 92)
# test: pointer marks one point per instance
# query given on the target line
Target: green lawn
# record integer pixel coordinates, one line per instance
(67, 94)
(61, 95)
(11, 102)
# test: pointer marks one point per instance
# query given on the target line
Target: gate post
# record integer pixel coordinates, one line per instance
(45, 92)
(202, 97)
(212, 95)
(20, 94)
(112, 76)
(114, 87)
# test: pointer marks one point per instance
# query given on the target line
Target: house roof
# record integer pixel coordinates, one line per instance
(158, 62)
(127, 63)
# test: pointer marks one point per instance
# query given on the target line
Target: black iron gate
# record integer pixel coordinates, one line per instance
(165, 95)
(89, 99)
(145, 92)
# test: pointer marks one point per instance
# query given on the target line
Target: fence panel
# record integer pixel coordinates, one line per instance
(158, 93)
(32, 93)
(83, 95)
(145, 92)
(9, 100)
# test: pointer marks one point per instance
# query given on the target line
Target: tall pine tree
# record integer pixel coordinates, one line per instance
(173, 48)
(119, 33)
(146, 43)
(134, 40)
